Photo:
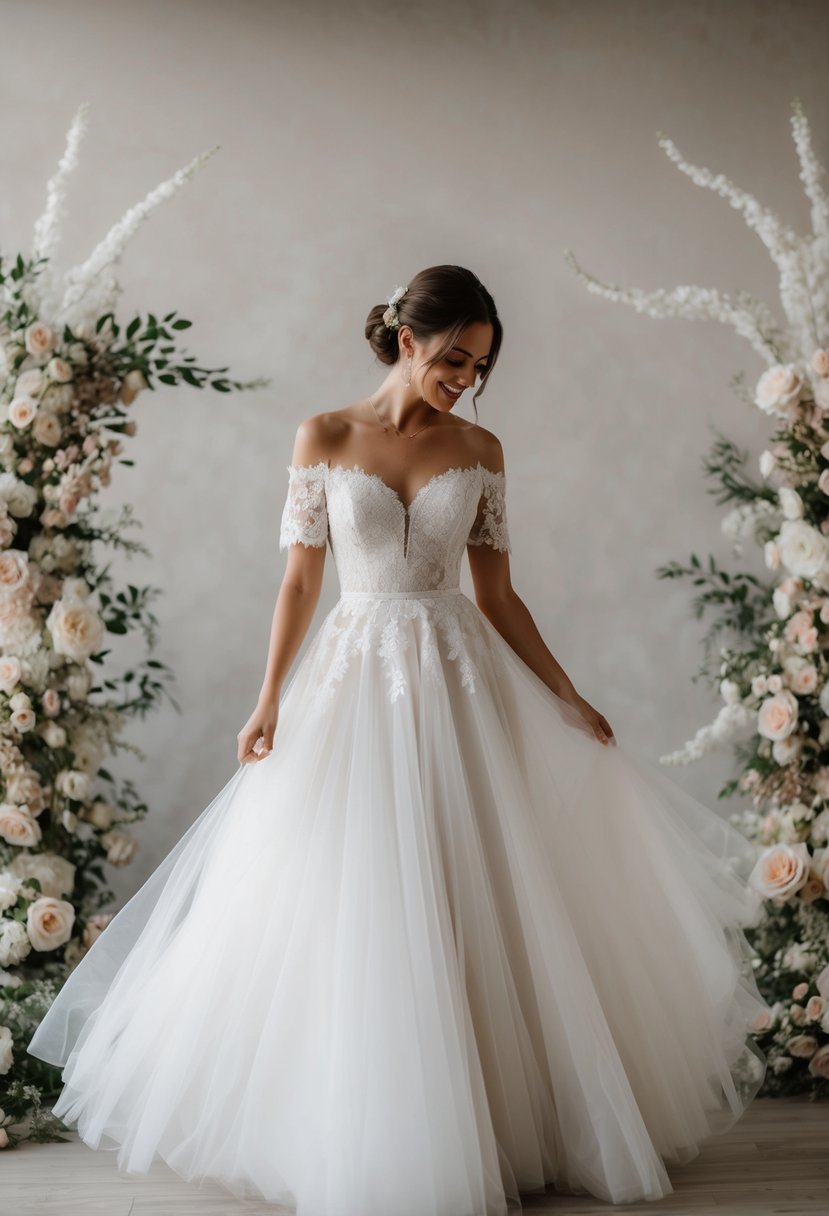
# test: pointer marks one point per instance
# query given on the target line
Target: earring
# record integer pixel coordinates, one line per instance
(408, 379)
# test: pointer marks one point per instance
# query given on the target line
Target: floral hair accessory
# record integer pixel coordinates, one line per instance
(390, 315)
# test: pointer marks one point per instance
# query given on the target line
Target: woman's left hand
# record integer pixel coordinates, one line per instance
(597, 722)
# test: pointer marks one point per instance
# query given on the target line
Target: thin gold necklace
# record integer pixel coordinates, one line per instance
(389, 426)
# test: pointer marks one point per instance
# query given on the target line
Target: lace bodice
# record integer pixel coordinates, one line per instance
(380, 544)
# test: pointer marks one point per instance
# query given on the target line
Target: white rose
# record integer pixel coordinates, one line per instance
(21, 411)
(59, 370)
(50, 702)
(777, 716)
(10, 886)
(6, 1050)
(780, 870)
(782, 602)
(11, 670)
(14, 942)
(77, 630)
(49, 922)
(18, 826)
(790, 502)
(55, 873)
(773, 683)
(74, 783)
(778, 388)
(39, 338)
(758, 685)
(767, 462)
(803, 550)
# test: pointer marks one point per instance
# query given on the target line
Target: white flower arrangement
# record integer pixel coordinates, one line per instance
(774, 685)
(69, 375)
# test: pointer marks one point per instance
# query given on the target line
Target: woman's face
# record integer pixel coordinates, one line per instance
(444, 384)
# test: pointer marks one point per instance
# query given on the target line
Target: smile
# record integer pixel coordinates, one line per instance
(449, 393)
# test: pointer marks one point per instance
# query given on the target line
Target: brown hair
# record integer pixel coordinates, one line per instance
(438, 300)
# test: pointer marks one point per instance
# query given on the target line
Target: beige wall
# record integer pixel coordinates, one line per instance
(361, 142)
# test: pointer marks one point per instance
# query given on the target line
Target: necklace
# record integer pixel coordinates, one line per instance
(389, 426)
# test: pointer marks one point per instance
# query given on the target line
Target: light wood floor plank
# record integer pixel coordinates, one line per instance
(775, 1162)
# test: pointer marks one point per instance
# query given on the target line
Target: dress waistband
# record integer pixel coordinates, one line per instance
(400, 595)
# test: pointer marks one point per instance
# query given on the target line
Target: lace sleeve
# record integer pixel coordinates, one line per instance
(490, 524)
(305, 514)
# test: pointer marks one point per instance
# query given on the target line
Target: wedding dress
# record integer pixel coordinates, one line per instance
(441, 946)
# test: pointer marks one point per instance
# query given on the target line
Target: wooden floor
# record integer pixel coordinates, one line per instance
(776, 1160)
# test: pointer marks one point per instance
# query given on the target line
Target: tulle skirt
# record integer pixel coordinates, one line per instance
(439, 949)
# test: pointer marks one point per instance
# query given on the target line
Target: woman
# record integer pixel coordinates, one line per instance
(477, 948)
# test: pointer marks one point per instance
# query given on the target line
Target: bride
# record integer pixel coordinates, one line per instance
(440, 941)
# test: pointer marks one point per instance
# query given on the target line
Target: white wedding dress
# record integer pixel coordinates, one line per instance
(441, 946)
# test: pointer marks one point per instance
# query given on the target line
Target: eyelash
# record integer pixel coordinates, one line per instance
(480, 370)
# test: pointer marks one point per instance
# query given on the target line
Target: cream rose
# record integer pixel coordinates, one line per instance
(778, 389)
(820, 362)
(49, 922)
(780, 870)
(77, 630)
(19, 496)
(56, 874)
(50, 702)
(47, 429)
(133, 384)
(777, 716)
(11, 670)
(822, 394)
(74, 784)
(21, 411)
(18, 826)
(39, 338)
(29, 383)
(59, 370)
(120, 847)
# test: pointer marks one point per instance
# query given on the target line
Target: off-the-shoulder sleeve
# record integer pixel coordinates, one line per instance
(305, 514)
(490, 524)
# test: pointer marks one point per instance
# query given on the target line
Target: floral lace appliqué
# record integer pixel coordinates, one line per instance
(490, 527)
(305, 515)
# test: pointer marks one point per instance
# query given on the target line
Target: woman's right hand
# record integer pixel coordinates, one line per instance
(260, 725)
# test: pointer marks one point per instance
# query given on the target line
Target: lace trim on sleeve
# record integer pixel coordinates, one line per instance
(305, 514)
(490, 525)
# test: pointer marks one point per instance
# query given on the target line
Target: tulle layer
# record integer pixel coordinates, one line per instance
(436, 951)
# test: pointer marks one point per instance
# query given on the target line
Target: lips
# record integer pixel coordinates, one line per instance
(452, 396)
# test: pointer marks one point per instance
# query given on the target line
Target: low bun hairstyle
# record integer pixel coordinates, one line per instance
(438, 300)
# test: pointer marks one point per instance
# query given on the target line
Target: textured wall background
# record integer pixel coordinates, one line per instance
(359, 143)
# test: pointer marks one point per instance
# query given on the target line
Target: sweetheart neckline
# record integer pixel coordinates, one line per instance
(358, 468)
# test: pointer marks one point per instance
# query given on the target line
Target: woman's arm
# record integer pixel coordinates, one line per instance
(503, 607)
(296, 603)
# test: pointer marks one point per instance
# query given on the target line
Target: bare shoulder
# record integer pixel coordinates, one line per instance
(318, 435)
(488, 448)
